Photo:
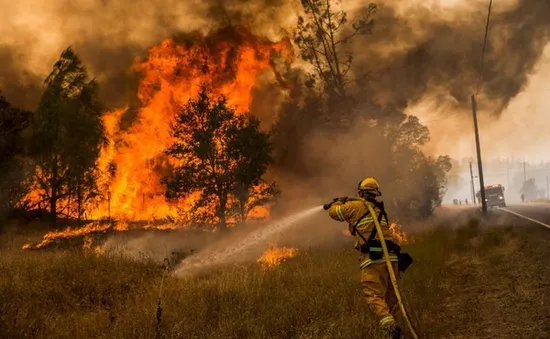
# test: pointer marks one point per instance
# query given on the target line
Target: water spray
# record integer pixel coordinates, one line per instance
(218, 256)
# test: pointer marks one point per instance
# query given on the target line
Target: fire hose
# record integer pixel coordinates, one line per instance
(392, 273)
(388, 264)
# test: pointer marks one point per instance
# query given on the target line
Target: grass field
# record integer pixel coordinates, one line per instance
(71, 294)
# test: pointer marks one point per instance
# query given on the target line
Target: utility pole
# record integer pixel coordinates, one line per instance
(472, 182)
(524, 172)
(479, 164)
(474, 111)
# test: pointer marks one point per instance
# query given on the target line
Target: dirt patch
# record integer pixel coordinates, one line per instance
(497, 286)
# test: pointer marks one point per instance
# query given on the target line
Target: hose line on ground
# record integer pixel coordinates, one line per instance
(392, 273)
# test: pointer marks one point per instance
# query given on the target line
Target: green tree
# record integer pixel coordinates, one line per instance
(67, 135)
(12, 162)
(223, 156)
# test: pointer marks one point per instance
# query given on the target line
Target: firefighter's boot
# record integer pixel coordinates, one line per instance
(395, 332)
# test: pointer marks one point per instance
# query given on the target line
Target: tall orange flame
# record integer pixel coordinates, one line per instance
(228, 62)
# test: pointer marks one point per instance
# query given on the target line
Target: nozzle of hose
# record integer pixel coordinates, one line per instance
(327, 206)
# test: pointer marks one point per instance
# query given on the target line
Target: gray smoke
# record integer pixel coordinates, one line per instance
(414, 48)
(430, 51)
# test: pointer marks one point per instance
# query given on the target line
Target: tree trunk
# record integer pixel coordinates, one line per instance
(79, 203)
(242, 210)
(222, 211)
(53, 197)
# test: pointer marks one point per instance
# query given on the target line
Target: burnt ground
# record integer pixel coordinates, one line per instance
(496, 284)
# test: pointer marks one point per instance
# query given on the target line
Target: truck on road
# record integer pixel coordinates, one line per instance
(494, 196)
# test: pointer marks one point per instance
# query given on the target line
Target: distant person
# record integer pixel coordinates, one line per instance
(466, 201)
(522, 197)
(459, 202)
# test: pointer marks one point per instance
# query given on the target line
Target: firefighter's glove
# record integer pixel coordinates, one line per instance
(341, 199)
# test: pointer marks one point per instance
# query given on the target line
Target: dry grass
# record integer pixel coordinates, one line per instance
(70, 294)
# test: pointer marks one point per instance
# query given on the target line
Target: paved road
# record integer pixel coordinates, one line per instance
(536, 213)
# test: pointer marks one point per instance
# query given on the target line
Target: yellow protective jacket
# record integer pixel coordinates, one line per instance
(353, 210)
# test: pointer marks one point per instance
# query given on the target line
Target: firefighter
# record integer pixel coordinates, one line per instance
(375, 278)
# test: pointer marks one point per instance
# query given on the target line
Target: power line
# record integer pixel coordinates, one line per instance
(484, 46)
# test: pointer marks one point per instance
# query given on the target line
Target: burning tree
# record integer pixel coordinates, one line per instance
(220, 155)
(67, 135)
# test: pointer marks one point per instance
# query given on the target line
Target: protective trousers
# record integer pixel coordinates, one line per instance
(379, 292)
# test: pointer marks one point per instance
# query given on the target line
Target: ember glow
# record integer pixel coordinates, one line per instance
(275, 255)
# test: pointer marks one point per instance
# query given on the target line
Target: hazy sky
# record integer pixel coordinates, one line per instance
(523, 129)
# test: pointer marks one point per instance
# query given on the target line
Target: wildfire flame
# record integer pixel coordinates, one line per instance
(229, 62)
(88, 246)
(275, 255)
(93, 228)
(398, 234)
(69, 233)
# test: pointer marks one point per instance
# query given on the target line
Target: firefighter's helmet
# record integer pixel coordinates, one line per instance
(370, 186)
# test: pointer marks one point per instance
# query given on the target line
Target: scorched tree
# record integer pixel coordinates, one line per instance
(66, 138)
(221, 156)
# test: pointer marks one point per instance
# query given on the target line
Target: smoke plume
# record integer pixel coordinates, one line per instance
(423, 57)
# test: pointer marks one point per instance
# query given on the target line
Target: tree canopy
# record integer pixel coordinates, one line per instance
(222, 156)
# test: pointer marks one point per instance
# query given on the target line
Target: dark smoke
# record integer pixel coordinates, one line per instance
(18, 84)
(110, 66)
(444, 56)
